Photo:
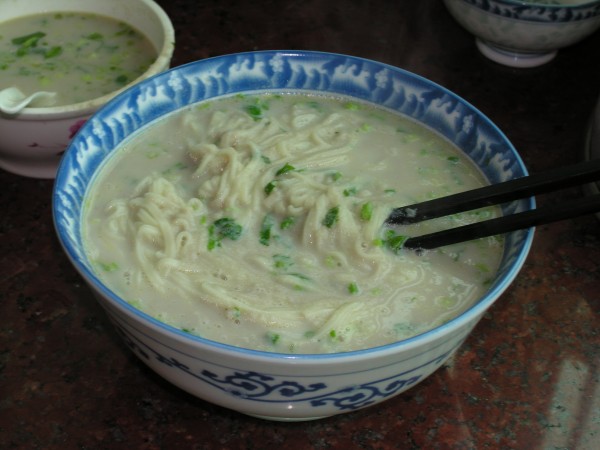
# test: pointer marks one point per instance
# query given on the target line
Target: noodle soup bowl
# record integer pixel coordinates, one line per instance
(525, 33)
(282, 386)
(34, 139)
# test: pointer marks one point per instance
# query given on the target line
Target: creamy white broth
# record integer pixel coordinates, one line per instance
(79, 56)
(191, 222)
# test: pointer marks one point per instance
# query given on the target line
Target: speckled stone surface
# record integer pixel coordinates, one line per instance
(527, 377)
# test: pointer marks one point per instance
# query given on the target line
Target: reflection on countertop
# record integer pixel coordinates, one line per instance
(527, 377)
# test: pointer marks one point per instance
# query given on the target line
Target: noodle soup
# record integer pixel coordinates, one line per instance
(257, 221)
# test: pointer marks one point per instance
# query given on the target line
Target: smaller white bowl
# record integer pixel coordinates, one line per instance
(520, 33)
(34, 140)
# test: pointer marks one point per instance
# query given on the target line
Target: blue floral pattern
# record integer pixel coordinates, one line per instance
(522, 10)
(260, 387)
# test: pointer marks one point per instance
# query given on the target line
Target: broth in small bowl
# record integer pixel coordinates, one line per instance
(84, 53)
(249, 193)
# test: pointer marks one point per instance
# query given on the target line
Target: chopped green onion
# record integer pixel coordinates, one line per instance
(282, 262)
(95, 37)
(121, 79)
(29, 40)
(285, 169)
(334, 176)
(270, 187)
(53, 52)
(350, 192)
(254, 111)
(273, 337)
(288, 222)
(224, 228)
(394, 241)
(109, 267)
(265, 230)
(331, 217)
(366, 212)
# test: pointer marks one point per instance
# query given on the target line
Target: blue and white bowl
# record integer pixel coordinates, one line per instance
(272, 385)
(526, 33)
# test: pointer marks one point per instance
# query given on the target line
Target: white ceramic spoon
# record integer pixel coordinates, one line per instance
(12, 100)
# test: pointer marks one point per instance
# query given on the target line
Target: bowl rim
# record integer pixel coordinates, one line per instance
(472, 314)
(163, 58)
(538, 4)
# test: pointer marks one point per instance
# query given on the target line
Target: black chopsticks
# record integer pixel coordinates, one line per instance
(527, 186)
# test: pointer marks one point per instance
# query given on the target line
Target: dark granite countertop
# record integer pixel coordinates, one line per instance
(527, 377)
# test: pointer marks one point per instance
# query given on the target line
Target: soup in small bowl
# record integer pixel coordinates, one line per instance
(81, 52)
(229, 216)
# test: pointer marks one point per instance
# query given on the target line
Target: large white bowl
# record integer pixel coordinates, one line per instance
(34, 140)
(272, 385)
(529, 33)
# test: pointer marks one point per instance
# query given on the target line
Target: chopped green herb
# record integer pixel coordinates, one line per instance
(394, 241)
(447, 302)
(350, 192)
(285, 169)
(332, 261)
(265, 230)
(453, 159)
(353, 288)
(270, 187)
(152, 154)
(334, 176)
(288, 222)
(221, 229)
(121, 79)
(482, 267)
(53, 52)
(254, 111)
(29, 40)
(282, 262)
(366, 211)
(109, 267)
(331, 217)
(265, 159)
(234, 314)
(352, 106)
(95, 37)
(332, 334)
(273, 337)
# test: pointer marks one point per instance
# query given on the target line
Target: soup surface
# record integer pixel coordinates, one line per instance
(257, 221)
(77, 55)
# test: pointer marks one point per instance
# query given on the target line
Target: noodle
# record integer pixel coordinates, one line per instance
(258, 225)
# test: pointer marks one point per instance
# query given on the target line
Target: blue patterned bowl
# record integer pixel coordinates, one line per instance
(272, 385)
(525, 33)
